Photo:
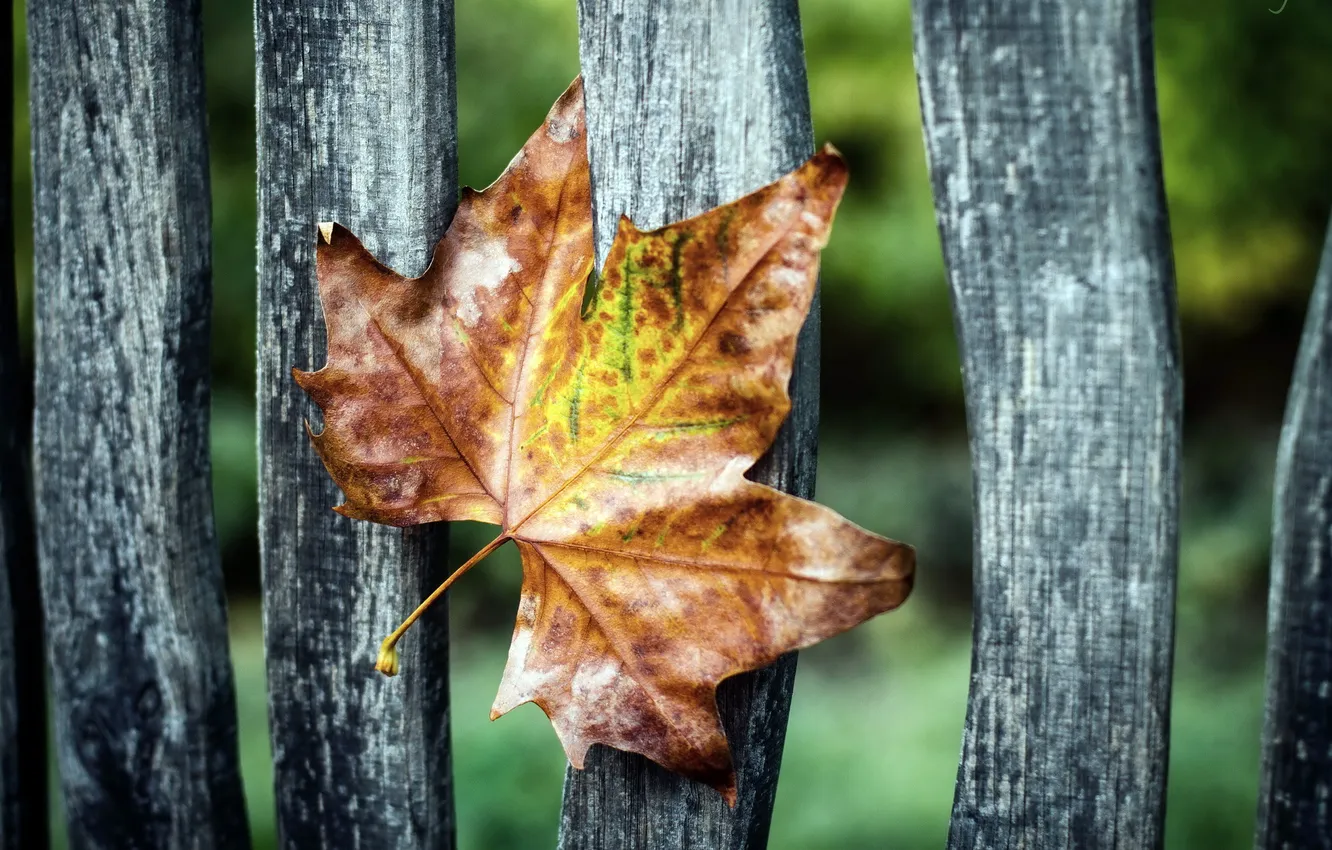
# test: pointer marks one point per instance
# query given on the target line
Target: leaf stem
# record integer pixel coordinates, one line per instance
(387, 663)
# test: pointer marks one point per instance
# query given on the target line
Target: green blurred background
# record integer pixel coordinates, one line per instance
(876, 726)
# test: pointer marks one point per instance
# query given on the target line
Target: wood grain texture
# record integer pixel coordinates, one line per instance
(1295, 803)
(145, 721)
(23, 816)
(357, 124)
(691, 105)
(1041, 132)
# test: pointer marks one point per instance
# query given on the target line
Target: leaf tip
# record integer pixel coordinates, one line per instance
(387, 662)
(830, 164)
(625, 228)
(728, 793)
(565, 121)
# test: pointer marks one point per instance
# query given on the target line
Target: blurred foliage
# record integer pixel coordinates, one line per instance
(876, 727)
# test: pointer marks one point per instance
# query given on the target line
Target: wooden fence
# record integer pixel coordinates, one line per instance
(1040, 125)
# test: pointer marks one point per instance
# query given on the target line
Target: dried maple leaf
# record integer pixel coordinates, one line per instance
(609, 443)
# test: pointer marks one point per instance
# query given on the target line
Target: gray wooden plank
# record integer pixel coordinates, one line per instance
(144, 707)
(23, 815)
(356, 116)
(1295, 803)
(1041, 133)
(691, 105)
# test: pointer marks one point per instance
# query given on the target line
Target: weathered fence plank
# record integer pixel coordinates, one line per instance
(144, 706)
(691, 105)
(1295, 804)
(1040, 125)
(356, 124)
(23, 818)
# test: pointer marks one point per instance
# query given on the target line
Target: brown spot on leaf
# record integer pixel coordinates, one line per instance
(733, 344)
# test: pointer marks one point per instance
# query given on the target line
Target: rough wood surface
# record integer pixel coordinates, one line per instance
(145, 722)
(1041, 131)
(691, 105)
(356, 125)
(23, 817)
(1295, 804)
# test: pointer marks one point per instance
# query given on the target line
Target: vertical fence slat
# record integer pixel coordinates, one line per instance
(23, 816)
(1295, 804)
(690, 106)
(144, 706)
(357, 124)
(1040, 125)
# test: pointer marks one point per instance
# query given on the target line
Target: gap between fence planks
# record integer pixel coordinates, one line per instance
(23, 817)
(1040, 126)
(690, 106)
(356, 118)
(1295, 803)
(144, 709)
